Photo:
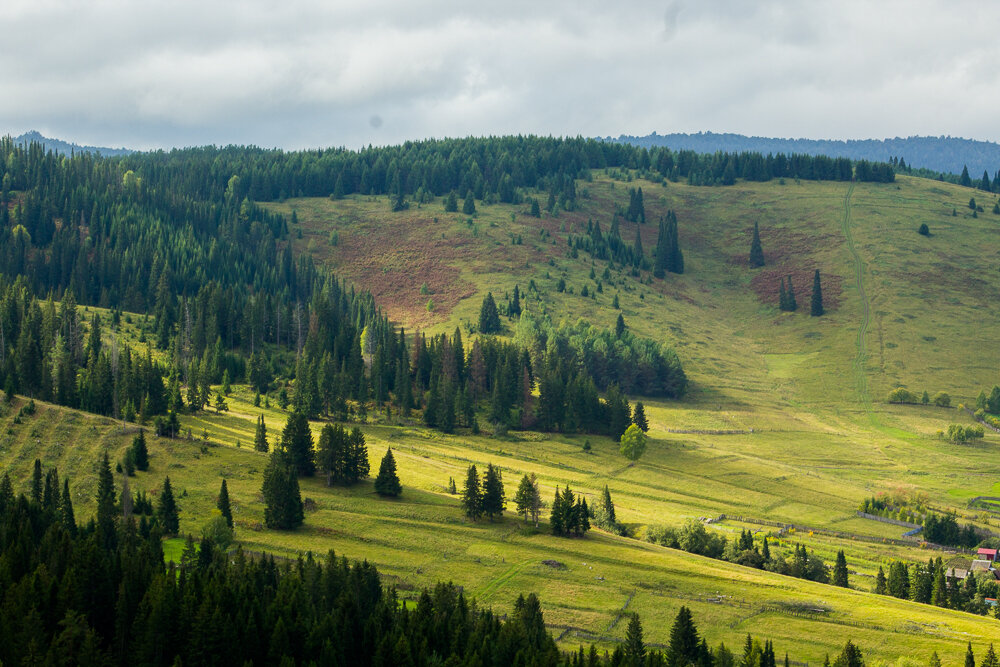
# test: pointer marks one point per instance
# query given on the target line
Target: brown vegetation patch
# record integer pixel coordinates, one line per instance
(767, 286)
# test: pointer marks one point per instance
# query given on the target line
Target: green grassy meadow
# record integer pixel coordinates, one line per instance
(803, 399)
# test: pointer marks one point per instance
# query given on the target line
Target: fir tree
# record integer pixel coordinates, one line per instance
(387, 481)
(756, 252)
(472, 497)
(451, 203)
(489, 316)
(634, 649)
(880, 583)
(639, 417)
(65, 507)
(223, 504)
(494, 502)
(970, 658)
(469, 205)
(965, 180)
(140, 453)
(816, 307)
(790, 295)
(514, 310)
(840, 570)
(990, 659)
(260, 437)
(783, 297)
(296, 441)
(619, 326)
(662, 251)
(105, 503)
(684, 640)
(36, 482)
(606, 513)
(167, 510)
(282, 498)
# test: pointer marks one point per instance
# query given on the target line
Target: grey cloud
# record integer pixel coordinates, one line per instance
(311, 73)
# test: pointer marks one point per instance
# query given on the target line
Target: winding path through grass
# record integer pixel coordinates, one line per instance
(861, 358)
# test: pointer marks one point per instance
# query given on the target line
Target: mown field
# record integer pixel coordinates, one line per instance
(802, 399)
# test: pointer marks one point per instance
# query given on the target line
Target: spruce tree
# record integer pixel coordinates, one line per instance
(790, 295)
(634, 649)
(36, 482)
(494, 500)
(970, 658)
(990, 659)
(880, 583)
(514, 310)
(106, 503)
(260, 437)
(489, 316)
(756, 252)
(65, 507)
(223, 504)
(387, 481)
(140, 453)
(469, 205)
(639, 417)
(619, 326)
(606, 513)
(282, 498)
(451, 203)
(684, 640)
(167, 510)
(816, 307)
(840, 570)
(660, 255)
(356, 466)
(296, 441)
(472, 497)
(964, 180)
(783, 297)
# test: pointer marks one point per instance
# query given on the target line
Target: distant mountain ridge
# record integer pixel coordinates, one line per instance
(946, 154)
(65, 148)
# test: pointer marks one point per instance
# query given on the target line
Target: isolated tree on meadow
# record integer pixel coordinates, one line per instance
(387, 481)
(633, 443)
(296, 441)
(260, 436)
(756, 251)
(840, 570)
(223, 504)
(469, 205)
(816, 305)
(451, 203)
(140, 453)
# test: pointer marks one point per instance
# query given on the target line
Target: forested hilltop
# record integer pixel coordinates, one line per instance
(940, 154)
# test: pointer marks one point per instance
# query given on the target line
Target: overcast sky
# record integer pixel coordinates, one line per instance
(310, 73)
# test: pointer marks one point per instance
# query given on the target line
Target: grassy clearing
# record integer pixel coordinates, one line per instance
(804, 446)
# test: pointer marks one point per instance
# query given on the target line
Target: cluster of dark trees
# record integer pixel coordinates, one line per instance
(668, 256)
(570, 514)
(945, 529)
(609, 246)
(485, 498)
(931, 584)
(693, 537)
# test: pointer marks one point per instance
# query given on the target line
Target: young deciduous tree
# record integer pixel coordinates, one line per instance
(633, 443)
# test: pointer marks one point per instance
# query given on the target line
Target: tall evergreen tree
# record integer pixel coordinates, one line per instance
(387, 481)
(65, 507)
(527, 500)
(472, 496)
(662, 251)
(36, 482)
(880, 583)
(683, 648)
(783, 297)
(970, 658)
(489, 316)
(619, 326)
(223, 504)
(840, 570)
(106, 503)
(494, 500)
(639, 417)
(816, 307)
(964, 180)
(756, 251)
(296, 441)
(167, 510)
(282, 497)
(606, 512)
(469, 205)
(140, 453)
(634, 649)
(790, 295)
(260, 436)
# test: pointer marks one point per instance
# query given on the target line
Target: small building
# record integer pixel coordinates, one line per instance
(990, 602)
(987, 554)
(957, 573)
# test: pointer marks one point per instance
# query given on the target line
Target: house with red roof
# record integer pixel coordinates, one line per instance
(987, 554)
